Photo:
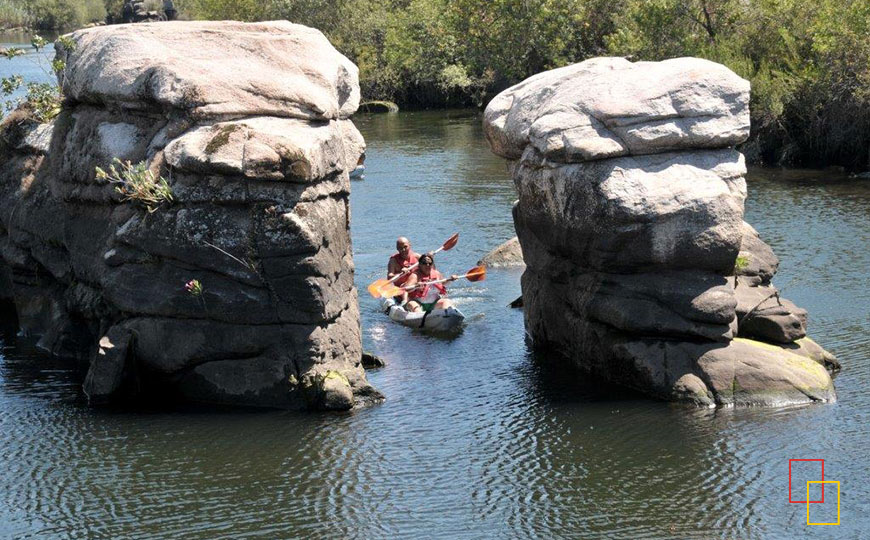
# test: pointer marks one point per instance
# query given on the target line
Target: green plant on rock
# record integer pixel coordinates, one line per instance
(44, 99)
(12, 52)
(740, 264)
(135, 182)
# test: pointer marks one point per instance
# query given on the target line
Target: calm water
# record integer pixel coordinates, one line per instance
(478, 438)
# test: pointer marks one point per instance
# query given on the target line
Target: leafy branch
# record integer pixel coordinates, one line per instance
(44, 98)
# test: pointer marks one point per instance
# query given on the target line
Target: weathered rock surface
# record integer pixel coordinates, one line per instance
(630, 218)
(248, 124)
(209, 69)
(608, 107)
(508, 254)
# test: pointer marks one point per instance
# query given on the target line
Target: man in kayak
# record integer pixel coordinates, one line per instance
(423, 296)
(401, 260)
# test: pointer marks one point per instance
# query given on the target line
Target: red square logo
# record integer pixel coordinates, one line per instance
(790, 499)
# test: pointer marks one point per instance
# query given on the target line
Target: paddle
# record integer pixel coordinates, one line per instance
(376, 286)
(478, 273)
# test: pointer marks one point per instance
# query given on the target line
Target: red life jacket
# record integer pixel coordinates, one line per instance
(421, 292)
(404, 264)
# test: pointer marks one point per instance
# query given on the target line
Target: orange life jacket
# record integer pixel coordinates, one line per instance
(421, 292)
(404, 264)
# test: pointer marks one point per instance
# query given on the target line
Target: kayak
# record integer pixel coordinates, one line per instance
(437, 320)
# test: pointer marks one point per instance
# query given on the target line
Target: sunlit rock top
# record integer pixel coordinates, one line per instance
(227, 68)
(608, 107)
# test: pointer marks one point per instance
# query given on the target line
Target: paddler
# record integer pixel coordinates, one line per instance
(423, 296)
(401, 260)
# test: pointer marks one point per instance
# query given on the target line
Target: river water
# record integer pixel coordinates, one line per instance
(478, 437)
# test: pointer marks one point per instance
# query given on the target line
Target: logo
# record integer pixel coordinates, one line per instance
(815, 490)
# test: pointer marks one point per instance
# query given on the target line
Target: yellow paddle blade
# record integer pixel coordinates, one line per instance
(391, 290)
(375, 288)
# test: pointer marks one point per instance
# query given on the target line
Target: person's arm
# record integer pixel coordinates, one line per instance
(408, 286)
(392, 269)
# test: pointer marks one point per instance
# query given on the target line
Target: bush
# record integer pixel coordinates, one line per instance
(138, 184)
(807, 61)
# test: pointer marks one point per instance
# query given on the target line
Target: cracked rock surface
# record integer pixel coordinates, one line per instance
(639, 266)
(248, 125)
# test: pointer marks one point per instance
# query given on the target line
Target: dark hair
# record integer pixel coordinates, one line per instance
(427, 256)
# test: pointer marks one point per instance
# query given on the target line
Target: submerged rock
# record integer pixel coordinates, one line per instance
(372, 361)
(378, 107)
(630, 218)
(508, 254)
(235, 283)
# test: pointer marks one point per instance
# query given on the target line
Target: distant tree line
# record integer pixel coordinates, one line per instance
(50, 14)
(809, 62)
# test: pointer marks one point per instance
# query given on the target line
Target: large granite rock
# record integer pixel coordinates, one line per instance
(208, 69)
(630, 218)
(248, 124)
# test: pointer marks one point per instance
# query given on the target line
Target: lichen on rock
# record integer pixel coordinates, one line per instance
(630, 219)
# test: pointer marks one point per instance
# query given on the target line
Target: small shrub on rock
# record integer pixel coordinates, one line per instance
(137, 183)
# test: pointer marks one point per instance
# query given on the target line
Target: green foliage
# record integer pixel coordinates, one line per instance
(193, 287)
(12, 52)
(44, 99)
(807, 61)
(12, 14)
(135, 182)
(51, 14)
(237, 10)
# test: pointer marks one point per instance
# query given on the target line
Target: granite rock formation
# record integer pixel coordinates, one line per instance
(249, 125)
(630, 217)
(509, 253)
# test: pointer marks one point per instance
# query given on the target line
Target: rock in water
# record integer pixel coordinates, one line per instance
(249, 125)
(630, 217)
(508, 254)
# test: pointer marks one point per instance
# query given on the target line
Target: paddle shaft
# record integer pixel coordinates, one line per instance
(411, 268)
(423, 284)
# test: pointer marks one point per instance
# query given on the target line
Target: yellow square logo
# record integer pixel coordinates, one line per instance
(808, 500)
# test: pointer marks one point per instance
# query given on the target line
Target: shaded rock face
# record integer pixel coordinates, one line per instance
(249, 125)
(630, 218)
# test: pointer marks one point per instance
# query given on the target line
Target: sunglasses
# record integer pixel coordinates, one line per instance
(425, 263)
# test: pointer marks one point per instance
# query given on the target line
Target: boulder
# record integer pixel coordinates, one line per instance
(372, 361)
(210, 69)
(222, 264)
(756, 262)
(810, 349)
(508, 254)
(630, 221)
(609, 107)
(268, 148)
(762, 313)
(110, 367)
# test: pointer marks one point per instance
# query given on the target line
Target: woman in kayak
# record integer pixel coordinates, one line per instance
(424, 296)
